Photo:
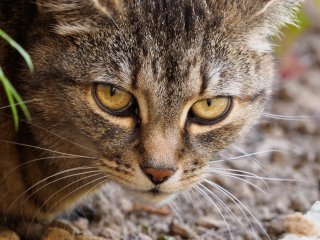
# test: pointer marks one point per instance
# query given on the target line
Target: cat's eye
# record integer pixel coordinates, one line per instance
(212, 110)
(112, 99)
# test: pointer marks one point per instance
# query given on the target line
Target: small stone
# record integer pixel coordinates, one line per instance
(276, 227)
(210, 222)
(182, 231)
(82, 224)
(299, 225)
(8, 235)
(89, 238)
(278, 158)
(57, 234)
(251, 235)
(126, 205)
(65, 226)
(139, 236)
(110, 233)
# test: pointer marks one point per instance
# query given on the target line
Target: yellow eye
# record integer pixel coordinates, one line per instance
(212, 109)
(112, 98)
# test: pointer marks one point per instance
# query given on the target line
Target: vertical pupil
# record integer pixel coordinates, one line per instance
(112, 91)
(209, 102)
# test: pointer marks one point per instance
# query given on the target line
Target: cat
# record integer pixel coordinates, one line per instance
(142, 93)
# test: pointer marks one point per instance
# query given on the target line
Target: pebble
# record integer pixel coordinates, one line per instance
(307, 226)
(8, 235)
(126, 205)
(210, 222)
(276, 227)
(182, 230)
(57, 234)
(82, 224)
(65, 226)
(89, 238)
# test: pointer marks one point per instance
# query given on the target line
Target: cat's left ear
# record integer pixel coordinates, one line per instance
(267, 21)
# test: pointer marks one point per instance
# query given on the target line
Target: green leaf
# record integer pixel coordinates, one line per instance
(13, 96)
(15, 45)
(6, 85)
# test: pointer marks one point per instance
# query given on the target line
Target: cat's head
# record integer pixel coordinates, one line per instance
(156, 88)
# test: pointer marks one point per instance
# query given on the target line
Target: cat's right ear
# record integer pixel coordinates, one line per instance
(77, 16)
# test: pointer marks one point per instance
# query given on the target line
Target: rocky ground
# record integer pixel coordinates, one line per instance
(287, 155)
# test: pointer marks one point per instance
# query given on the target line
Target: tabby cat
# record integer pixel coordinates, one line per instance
(142, 93)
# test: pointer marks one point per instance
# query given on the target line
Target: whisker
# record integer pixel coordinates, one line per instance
(59, 179)
(216, 206)
(233, 200)
(172, 206)
(290, 118)
(19, 103)
(45, 179)
(41, 159)
(60, 190)
(224, 205)
(251, 158)
(251, 175)
(189, 198)
(243, 180)
(54, 134)
(72, 192)
(44, 149)
(236, 199)
(240, 173)
(95, 186)
(244, 156)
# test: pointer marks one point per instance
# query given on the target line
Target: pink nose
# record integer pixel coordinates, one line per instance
(158, 176)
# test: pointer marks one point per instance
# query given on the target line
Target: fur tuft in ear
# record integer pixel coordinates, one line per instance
(267, 22)
(78, 16)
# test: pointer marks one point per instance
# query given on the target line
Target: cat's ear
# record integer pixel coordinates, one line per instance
(73, 17)
(268, 19)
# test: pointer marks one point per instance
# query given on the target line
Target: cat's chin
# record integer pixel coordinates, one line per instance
(152, 197)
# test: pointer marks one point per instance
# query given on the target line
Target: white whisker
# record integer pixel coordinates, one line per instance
(290, 118)
(60, 190)
(244, 206)
(41, 159)
(216, 206)
(250, 175)
(244, 156)
(44, 149)
(224, 205)
(45, 179)
(72, 192)
(251, 158)
(54, 134)
(241, 179)
(17, 104)
(173, 207)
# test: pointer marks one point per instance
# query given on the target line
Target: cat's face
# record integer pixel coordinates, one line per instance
(156, 88)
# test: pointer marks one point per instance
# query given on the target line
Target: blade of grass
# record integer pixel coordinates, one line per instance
(15, 45)
(13, 97)
(5, 83)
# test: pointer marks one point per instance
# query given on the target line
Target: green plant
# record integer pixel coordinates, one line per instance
(13, 96)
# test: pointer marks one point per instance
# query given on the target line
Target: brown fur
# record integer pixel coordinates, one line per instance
(168, 54)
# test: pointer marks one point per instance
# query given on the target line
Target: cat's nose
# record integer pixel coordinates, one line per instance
(158, 176)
